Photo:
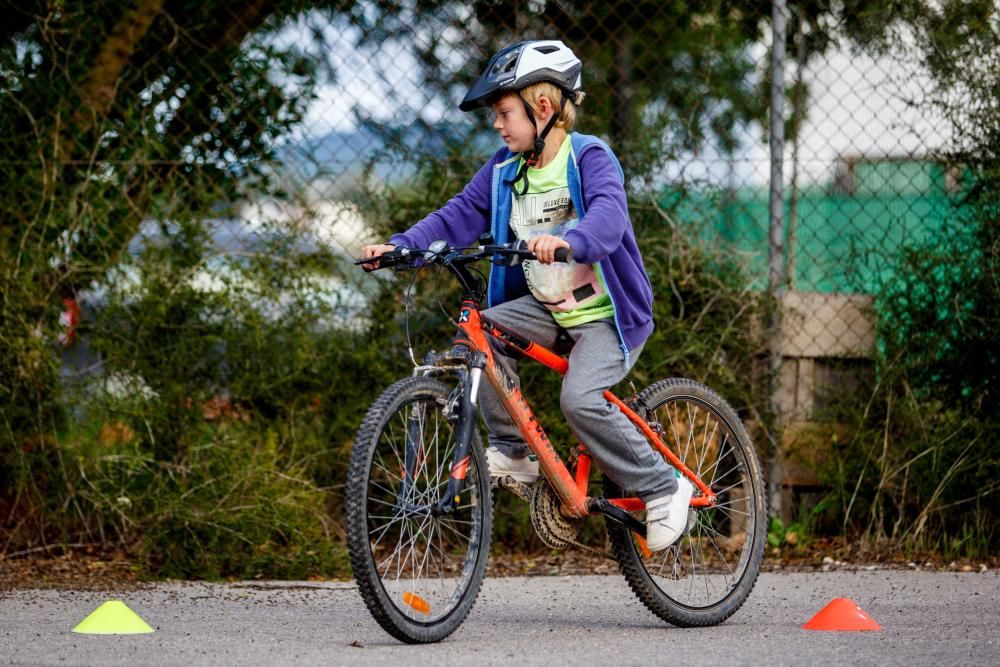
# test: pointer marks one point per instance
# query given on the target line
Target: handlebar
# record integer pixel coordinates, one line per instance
(403, 258)
(395, 257)
(519, 250)
(456, 260)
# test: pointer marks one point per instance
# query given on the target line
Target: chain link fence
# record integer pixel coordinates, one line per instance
(154, 148)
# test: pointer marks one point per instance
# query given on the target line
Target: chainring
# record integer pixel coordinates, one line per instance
(555, 530)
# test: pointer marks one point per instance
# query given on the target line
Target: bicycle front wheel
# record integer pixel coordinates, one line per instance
(707, 575)
(418, 571)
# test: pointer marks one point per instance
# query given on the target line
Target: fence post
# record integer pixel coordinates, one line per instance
(776, 273)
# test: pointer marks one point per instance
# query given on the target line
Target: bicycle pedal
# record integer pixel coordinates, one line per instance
(519, 489)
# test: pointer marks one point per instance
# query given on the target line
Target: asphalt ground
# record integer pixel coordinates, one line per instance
(927, 618)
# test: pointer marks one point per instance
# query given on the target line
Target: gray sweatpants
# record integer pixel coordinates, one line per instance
(595, 365)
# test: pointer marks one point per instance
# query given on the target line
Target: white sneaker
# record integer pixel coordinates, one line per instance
(667, 516)
(522, 470)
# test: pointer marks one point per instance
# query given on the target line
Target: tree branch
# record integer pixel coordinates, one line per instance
(97, 90)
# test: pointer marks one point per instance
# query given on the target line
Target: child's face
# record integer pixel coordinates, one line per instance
(512, 122)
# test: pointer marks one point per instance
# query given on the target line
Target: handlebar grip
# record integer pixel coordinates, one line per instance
(560, 255)
(400, 256)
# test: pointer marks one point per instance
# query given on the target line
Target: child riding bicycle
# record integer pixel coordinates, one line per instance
(554, 188)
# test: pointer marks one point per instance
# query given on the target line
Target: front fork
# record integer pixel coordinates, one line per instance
(468, 413)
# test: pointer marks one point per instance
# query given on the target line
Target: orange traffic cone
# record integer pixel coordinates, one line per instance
(841, 614)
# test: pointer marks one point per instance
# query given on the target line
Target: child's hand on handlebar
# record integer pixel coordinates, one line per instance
(545, 247)
(376, 250)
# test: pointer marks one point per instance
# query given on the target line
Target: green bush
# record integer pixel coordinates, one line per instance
(242, 501)
(214, 442)
(914, 472)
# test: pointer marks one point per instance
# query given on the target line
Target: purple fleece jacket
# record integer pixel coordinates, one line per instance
(604, 235)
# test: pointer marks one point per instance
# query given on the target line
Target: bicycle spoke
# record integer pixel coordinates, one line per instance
(724, 451)
(694, 567)
(384, 530)
(444, 554)
(673, 428)
(728, 513)
(739, 482)
(705, 443)
(426, 550)
(715, 545)
(690, 433)
(382, 502)
(707, 571)
(737, 466)
(395, 553)
(731, 507)
(456, 533)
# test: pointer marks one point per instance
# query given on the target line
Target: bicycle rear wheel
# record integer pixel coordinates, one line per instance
(419, 574)
(707, 575)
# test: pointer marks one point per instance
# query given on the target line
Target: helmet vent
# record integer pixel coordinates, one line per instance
(547, 49)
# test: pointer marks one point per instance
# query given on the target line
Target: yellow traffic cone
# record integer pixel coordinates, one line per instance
(113, 618)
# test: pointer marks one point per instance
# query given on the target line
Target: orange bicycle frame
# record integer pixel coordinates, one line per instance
(474, 332)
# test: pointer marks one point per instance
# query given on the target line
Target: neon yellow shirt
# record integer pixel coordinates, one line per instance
(573, 293)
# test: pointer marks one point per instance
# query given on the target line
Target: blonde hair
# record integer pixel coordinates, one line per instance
(567, 116)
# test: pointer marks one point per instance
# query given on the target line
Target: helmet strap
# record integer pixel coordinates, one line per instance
(531, 159)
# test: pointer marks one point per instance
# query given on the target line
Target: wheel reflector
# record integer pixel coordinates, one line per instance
(643, 547)
(416, 602)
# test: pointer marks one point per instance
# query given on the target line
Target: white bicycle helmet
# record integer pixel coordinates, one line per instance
(519, 66)
(522, 65)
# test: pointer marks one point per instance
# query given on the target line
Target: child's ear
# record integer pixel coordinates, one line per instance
(545, 106)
